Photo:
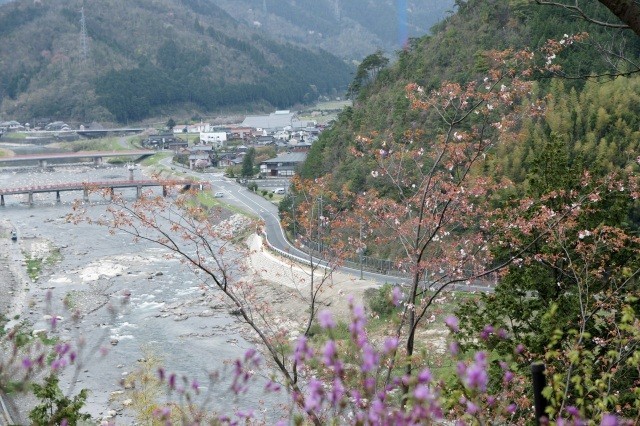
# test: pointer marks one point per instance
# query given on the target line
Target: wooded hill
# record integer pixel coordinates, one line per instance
(595, 122)
(149, 58)
(350, 29)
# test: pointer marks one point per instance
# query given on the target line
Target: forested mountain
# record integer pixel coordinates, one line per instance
(602, 117)
(144, 58)
(484, 155)
(351, 29)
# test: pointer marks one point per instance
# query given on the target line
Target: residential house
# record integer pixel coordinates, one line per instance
(201, 156)
(11, 126)
(163, 141)
(283, 165)
(57, 126)
(217, 139)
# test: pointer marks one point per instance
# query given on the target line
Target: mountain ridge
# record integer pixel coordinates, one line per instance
(153, 58)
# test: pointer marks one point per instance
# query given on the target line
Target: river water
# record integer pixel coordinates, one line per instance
(168, 315)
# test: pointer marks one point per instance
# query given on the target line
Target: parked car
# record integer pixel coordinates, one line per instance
(218, 194)
(14, 235)
(278, 191)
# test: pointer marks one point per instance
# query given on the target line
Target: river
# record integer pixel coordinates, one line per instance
(168, 314)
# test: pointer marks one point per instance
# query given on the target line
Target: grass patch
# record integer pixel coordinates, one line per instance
(101, 144)
(155, 159)
(34, 266)
(70, 300)
(54, 257)
(14, 136)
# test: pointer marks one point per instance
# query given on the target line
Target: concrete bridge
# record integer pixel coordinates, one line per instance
(86, 187)
(96, 156)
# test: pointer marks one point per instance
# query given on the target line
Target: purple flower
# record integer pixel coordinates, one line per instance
(58, 364)
(486, 332)
(314, 398)
(424, 376)
(27, 363)
(326, 319)
(454, 348)
(508, 376)
(609, 420)
(329, 352)
(172, 381)
(161, 374)
(452, 323)
(272, 387)
(471, 408)
(396, 295)
(511, 409)
(337, 392)
(195, 386)
(302, 351)
(369, 358)
(476, 376)
(390, 344)
(245, 414)
(375, 411)
(520, 348)
(421, 392)
(573, 411)
(358, 312)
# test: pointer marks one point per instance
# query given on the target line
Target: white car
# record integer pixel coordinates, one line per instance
(279, 191)
(218, 194)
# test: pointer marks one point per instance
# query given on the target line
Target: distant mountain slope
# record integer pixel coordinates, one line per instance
(148, 58)
(351, 29)
(455, 53)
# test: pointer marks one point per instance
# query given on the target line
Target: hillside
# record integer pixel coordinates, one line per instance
(350, 29)
(455, 53)
(149, 58)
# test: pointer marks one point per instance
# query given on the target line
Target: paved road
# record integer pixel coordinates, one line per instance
(237, 195)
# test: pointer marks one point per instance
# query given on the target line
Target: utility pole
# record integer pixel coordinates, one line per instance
(320, 224)
(361, 250)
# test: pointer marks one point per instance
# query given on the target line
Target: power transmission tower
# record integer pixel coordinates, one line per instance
(83, 37)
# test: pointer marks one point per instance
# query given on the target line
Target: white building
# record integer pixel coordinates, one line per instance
(218, 139)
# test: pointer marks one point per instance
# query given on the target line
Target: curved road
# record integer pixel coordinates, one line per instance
(238, 196)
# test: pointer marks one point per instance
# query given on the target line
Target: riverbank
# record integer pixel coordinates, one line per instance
(167, 309)
(14, 281)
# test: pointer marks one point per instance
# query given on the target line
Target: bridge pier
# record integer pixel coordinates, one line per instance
(164, 190)
(1, 200)
(138, 192)
(111, 193)
(85, 194)
(30, 198)
(58, 197)
(97, 161)
(43, 163)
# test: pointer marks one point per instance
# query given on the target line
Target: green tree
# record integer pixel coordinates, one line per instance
(57, 408)
(171, 124)
(247, 163)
